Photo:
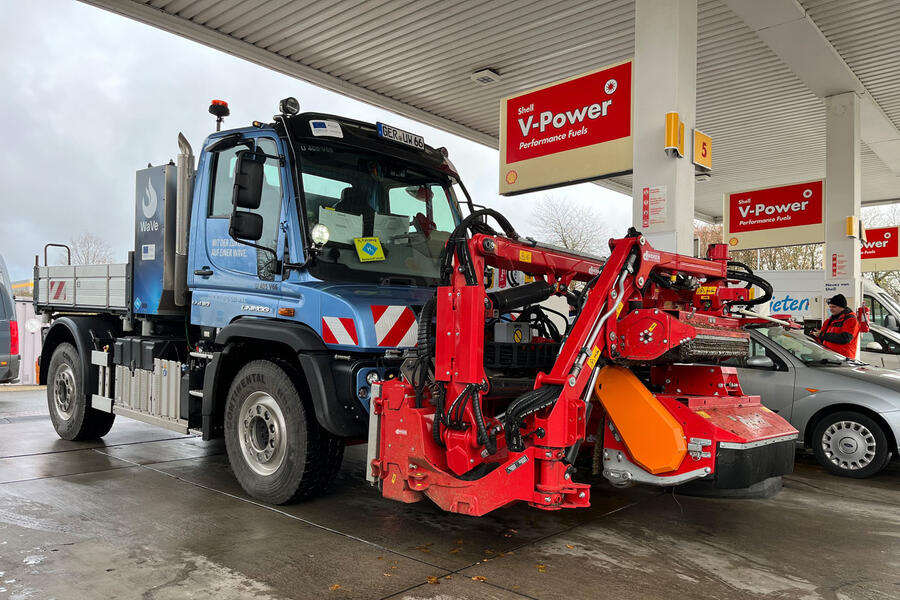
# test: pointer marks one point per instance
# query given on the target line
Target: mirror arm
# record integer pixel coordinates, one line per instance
(311, 253)
(279, 265)
(279, 157)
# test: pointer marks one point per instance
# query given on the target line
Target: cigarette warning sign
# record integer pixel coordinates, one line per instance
(573, 130)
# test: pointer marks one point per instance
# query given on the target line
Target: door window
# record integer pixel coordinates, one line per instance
(227, 252)
(223, 182)
(758, 349)
(877, 310)
(889, 344)
(866, 338)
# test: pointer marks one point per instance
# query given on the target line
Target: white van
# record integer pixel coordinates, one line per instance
(800, 295)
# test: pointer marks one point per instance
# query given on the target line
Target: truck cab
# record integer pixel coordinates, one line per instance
(385, 211)
(268, 289)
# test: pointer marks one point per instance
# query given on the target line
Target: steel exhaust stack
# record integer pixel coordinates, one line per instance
(183, 195)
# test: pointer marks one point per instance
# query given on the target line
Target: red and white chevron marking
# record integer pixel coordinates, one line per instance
(394, 326)
(58, 290)
(339, 330)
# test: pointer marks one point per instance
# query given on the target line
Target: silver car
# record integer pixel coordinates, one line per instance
(847, 412)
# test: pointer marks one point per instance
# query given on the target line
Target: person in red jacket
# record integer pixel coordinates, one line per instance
(840, 331)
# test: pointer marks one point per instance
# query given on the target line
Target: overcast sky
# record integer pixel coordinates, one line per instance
(88, 97)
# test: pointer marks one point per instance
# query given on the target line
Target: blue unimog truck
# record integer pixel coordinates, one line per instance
(268, 288)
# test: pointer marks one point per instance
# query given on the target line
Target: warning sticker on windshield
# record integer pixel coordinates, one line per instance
(368, 249)
(319, 127)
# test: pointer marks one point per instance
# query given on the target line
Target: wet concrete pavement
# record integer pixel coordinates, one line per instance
(152, 515)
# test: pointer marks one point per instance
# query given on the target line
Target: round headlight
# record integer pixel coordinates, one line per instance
(371, 377)
(289, 106)
(320, 234)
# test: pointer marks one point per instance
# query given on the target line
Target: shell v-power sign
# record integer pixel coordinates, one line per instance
(777, 216)
(578, 129)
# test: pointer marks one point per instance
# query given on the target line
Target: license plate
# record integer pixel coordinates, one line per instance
(398, 135)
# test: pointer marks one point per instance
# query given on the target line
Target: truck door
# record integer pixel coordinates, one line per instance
(231, 279)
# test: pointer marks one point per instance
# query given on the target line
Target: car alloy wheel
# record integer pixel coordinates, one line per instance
(849, 445)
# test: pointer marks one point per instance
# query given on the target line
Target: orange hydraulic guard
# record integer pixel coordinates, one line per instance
(653, 437)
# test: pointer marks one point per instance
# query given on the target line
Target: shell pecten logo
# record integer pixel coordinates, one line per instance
(511, 177)
(733, 241)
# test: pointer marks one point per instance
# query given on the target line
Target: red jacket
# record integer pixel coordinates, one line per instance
(839, 333)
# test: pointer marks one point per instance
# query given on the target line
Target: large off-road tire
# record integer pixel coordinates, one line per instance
(850, 444)
(67, 398)
(277, 450)
(334, 456)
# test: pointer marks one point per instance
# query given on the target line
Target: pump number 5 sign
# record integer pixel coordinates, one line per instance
(702, 150)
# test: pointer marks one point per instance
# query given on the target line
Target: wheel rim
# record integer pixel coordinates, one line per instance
(64, 392)
(849, 445)
(262, 433)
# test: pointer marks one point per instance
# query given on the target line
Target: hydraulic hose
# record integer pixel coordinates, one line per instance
(456, 244)
(483, 436)
(746, 274)
(423, 349)
(524, 405)
(438, 417)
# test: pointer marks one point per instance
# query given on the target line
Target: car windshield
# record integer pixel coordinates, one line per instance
(387, 220)
(801, 346)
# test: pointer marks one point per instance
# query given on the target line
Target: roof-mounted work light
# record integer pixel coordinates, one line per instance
(219, 109)
(289, 106)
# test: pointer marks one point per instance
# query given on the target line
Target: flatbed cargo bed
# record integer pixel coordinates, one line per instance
(82, 288)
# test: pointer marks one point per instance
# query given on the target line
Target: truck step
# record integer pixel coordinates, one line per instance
(206, 355)
(177, 425)
(196, 393)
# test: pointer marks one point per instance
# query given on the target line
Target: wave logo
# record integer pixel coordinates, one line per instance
(149, 201)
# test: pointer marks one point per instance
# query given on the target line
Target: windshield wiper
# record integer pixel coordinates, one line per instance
(832, 361)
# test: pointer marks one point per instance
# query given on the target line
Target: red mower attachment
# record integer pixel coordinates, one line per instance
(496, 402)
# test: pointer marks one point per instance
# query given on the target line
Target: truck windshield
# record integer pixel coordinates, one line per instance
(387, 220)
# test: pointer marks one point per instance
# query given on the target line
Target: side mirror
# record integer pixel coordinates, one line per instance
(245, 226)
(890, 321)
(248, 179)
(760, 362)
(874, 347)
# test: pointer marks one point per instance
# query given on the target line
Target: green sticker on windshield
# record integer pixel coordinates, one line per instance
(368, 249)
